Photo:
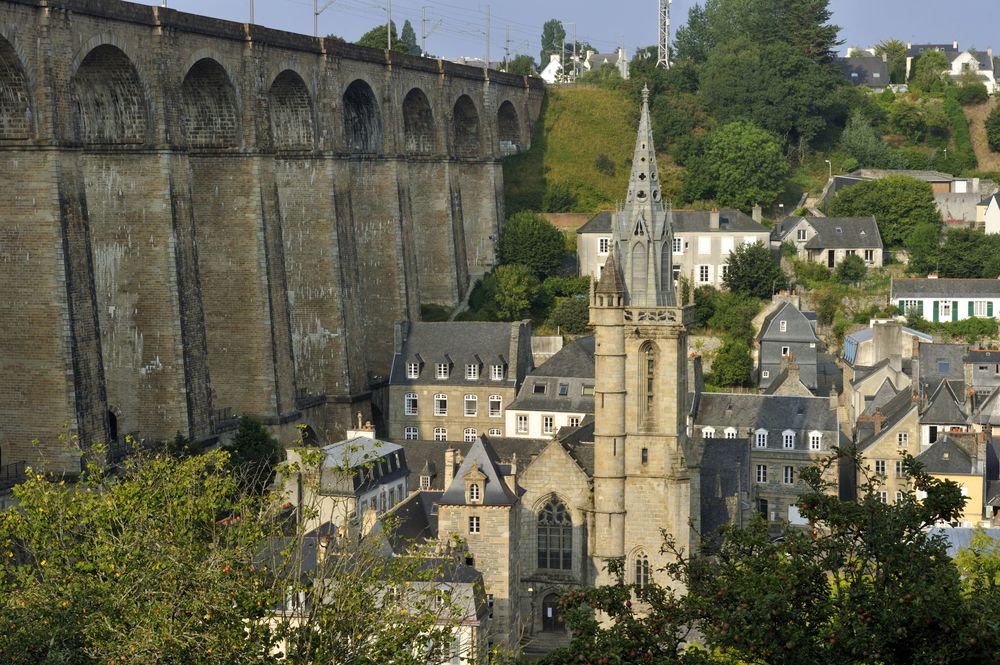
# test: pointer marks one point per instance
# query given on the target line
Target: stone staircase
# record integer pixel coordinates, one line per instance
(541, 644)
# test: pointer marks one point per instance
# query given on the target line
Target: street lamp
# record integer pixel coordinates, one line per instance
(830, 166)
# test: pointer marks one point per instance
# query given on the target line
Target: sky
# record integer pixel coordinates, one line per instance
(458, 27)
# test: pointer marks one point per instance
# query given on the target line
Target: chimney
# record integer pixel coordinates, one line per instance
(757, 214)
(449, 466)
(878, 420)
(954, 46)
(400, 332)
(932, 275)
(713, 219)
(511, 478)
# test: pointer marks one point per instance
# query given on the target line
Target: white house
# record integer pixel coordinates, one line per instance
(553, 71)
(990, 210)
(938, 299)
(979, 63)
(559, 393)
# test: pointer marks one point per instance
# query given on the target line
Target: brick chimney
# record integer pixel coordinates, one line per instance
(449, 466)
(713, 219)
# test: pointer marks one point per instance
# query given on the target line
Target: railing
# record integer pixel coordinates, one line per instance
(12, 474)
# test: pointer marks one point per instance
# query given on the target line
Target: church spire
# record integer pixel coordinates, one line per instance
(642, 230)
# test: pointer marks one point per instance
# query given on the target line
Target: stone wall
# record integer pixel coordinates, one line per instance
(206, 219)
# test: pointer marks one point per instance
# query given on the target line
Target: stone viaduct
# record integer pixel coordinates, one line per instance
(200, 219)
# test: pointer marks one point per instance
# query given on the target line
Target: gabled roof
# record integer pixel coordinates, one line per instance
(417, 520)
(992, 197)
(987, 356)
(844, 233)
(458, 343)
(882, 396)
(579, 443)
(944, 407)
(599, 223)
(770, 412)
(871, 70)
(945, 456)
(569, 371)
(483, 459)
(725, 473)
(944, 287)
(939, 362)
(893, 411)
(799, 328)
(575, 359)
(430, 454)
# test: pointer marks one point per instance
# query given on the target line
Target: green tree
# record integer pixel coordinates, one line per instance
(517, 288)
(924, 246)
(733, 315)
(895, 53)
(928, 68)
(377, 37)
(553, 36)
(570, 315)
(992, 125)
(254, 454)
(529, 239)
(523, 65)
(973, 93)
(409, 38)
(742, 166)
(898, 203)
(852, 269)
(865, 145)
(753, 271)
(732, 364)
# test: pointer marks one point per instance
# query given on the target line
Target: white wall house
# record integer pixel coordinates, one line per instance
(991, 213)
(977, 62)
(942, 300)
(559, 393)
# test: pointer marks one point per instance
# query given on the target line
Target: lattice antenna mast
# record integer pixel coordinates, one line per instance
(663, 57)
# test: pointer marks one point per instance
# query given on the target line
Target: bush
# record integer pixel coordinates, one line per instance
(829, 305)
(733, 314)
(431, 312)
(732, 365)
(973, 93)
(852, 269)
(705, 300)
(561, 287)
(559, 197)
(992, 125)
(964, 155)
(604, 165)
(571, 315)
(529, 239)
(753, 271)
(516, 291)
(810, 273)
(253, 455)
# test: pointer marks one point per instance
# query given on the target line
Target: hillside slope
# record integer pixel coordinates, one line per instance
(988, 160)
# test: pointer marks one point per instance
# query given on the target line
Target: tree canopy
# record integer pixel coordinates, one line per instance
(516, 290)
(523, 65)
(378, 37)
(753, 271)
(553, 36)
(529, 239)
(898, 203)
(894, 51)
(408, 37)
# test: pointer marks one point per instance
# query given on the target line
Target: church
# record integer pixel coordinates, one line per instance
(541, 516)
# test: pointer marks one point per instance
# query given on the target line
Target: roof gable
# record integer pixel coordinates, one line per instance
(480, 463)
(845, 233)
(946, 456)
(944, 407)
(798, 328)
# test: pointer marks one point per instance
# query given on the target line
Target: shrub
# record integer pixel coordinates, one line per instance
(732, 365)
(992, 125)
(571, 315)
(559, 197)
(973, 93)
(516, 291)
(604, 165)
(852, 269)
(964, 155)
(529, 239)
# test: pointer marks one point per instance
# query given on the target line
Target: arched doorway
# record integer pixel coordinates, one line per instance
(552, 621)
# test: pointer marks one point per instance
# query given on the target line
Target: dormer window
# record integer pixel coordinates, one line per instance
(441, 370)
(782, 326)
(425, 482)
(538, 389)
(471, 372)
(563, 389)
(788, 439)
(413, 370)
(760, 438)
(496, 372)
(474, 493)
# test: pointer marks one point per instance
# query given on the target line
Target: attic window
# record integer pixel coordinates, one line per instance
(563, 389)
(539, 389)
(840, 230)
(943, 366)
(587, 390)
(863, 232)
(425, 482)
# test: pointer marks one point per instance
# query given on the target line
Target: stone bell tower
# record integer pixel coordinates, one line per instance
(646, 475)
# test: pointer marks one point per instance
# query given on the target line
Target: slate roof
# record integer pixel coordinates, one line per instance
(939, 362)
(844, 233)
(988, 199)
(894, 410)
(457, 343)
(882, 396)
(686, 221)
(800, 330)
(944, 406)
(944, 287)
(575, 359)
(945, 457)
(916, 50)
(481, 456)
(770, 412)
(960, 537)
(862, 70)
(987, 412)
(993, 497)
(371, 462)
(725, 471)
(423, 453)
(579, 443)
(417, 520)
(986, 356)
(571, 370)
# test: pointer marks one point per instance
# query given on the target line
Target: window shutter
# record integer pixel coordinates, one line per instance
(954, 310)
(989, 308)
(920, 308)
(902, 306)
(935, 304)
(972, 309)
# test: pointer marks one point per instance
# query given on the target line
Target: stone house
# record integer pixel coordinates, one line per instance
(945, 299)
(979, 63)
(557, 394)
(829, 240)
(888, 427)
(701, 244)
(787, 333)
(452, 381)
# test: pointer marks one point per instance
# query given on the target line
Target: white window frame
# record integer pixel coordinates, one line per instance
(880, 467)
(765, 374)
(574, 421)
(548, 424)
(869, 256)
(902, 438)
(441, 371)
(900, 471)
(782, 326)
(425, 482)
(474, 524)
(496, 431)
(785, 351)
(883, 496)
(441, 404)
(708, 432)
(603, 246)
(411, 404)
(410, 434)
(470, 435)
(815, 441)
(474, 401)
(788, 475)
(496, 372)
(413, 370)
(944, 310)
(788, 439)
(899, 496)
(472, 372)
(800, 235)
(498, 411)
(678, 245)
(761, 475)
(979, 308)
(521, 420)
(730, 432)
(440, 433)
(760, 438)
(704, 274)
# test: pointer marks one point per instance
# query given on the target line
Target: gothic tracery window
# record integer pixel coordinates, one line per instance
(555, 536)
(641, 569)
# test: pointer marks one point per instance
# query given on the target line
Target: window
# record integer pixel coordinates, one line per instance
(496, 402)
(761, 473)
(471, 405)
(880, 467)
(496, 372)
(641, 570)
(603, 245)
(911, 306)
(703, 274)
(723, 270)
(381, 503)
(471, 372)
(474, 494)
(425, 482)
(392, 497)
(563, 389)
(789, 475)
(708, 433)
(489, 603)
(555, 536)
(943, 366)
(538, 389)
(522, 423)
(788, 439)
(587, 390)
(705, 245)
(785, 351)
(902, 438)
(869, 255)
(800, 234)
(496, 431)
(440, 404)
(678, 245)
(412, 370)
(574, 421)
(645, 455)
(470, 435)
(410, 404)
(899, 497)
(410, 434)
(441, 370)
(548, 424)
(730, 432)
(782, 326)
(760, 438)
(647, 385)
(765, 374)
(944, 309)
(815, 441)
(980, 308)
(900, 473)
(440, 434)
(883, 496)
(474, 524)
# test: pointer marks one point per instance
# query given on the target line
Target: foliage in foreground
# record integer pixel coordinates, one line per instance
(868, 584)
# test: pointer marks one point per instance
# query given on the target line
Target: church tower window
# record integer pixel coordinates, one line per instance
(641, 570)
(555, 537)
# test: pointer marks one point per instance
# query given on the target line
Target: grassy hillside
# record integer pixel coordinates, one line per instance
(581, 153)
(988, 160)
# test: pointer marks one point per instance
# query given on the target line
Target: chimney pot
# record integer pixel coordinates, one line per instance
(713, 219)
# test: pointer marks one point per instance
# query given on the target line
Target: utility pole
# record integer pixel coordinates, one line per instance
(486, 64)
(388, 23)
(506, 51)
(663, 55)
(251, 11)
(424, 32)
(574, 52)
(317, 10)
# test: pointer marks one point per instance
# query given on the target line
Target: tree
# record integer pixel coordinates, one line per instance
(517, 288)
(742, 166)
(928, 68)
(895, 54)
(523, 65)
(852, 269)
(973, 93)
(865, 145)
(733, 314)
(753, 271)
(924, 245)
(529, 239)
(992, 125)
(732, 365)
(254, 454)
(571, 315)
(378, 37)
(898, 203)
(553, 36)
(409, 38)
